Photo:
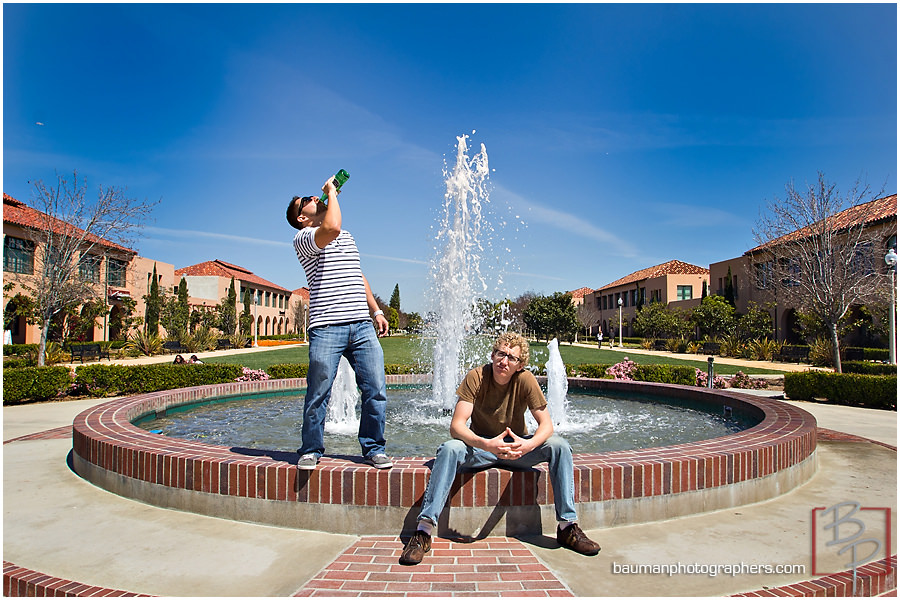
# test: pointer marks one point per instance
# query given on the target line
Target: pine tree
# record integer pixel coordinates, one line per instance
(151, 314)
(729, 288)
(182, 308)
(229, 310)
(395, 298)
(246, 319)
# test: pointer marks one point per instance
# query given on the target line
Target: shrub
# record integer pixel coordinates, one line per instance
(702, 379)
(731, 346)
(741, 380)
(238, 340)
(252, 375)
(18, 349)
(629, 371)
(764, 349)
(147, 344)
(674, 374)
(821, 353)
(287, 371)
(854, 389)
(592, 371)
(112, 380)
(676, 345)
(17, 362)
(868, 368)
(622, 370)
(34, 383)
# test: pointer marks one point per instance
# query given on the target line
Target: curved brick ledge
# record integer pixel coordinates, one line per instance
(344, 496)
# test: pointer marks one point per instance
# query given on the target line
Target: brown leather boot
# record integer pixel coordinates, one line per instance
(573, 538)
(415, 548)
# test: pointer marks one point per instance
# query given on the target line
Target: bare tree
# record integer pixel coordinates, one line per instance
(71, 239)
(816, 247)
(587, 315)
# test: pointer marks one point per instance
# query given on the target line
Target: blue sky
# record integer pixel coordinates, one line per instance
(618, 136)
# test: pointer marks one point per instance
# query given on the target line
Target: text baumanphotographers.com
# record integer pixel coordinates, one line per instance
(709, 570)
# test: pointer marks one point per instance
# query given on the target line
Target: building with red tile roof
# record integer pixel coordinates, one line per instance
(676, 283)
(276, 310)
(878, 216)
(579, 294)
(117, 272)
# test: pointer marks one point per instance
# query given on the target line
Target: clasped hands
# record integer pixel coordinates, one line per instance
(501, 446)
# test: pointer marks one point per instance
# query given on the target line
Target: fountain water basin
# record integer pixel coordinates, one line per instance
(345, 496)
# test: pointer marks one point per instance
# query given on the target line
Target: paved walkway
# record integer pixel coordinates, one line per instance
(64, 533)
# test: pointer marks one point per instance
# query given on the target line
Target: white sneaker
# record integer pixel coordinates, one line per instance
(379, 461)
(307, 462)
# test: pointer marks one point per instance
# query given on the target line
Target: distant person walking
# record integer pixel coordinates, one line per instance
(341, 309)
(599, 339)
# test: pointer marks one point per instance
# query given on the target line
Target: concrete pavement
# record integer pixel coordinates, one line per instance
(57, 524)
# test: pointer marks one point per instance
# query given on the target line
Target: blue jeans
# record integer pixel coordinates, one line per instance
(454, 456)
(358, 342)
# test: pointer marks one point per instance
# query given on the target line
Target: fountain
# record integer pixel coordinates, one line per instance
(343, 495)
(456, 275)
(557, 386)
(342, 418)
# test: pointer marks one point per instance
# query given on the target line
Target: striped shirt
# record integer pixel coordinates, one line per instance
(337, 293)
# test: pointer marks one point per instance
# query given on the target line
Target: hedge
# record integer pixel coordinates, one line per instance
(676, 374)
(34, 383)
(852, 389)
(868, 368)
(287, 371)
(113, 380)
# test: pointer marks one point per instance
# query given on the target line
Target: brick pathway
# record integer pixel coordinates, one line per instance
(495, 566)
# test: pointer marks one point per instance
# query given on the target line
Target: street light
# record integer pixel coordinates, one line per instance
(620, 322)
(255, 319)
(891, 259)
(503, 320)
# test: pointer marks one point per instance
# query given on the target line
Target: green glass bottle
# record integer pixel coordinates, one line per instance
(340, 178)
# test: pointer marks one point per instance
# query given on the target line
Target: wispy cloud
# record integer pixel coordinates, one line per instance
(193, 233)
(534, 275)
(569, 223)
(395, 259)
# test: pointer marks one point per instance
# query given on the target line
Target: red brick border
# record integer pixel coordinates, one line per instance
(105, 437)
(20, 582)
(873, 579)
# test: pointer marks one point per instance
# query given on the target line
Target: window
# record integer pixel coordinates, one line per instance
(115, 272)
(791, 270)
(634, 297)
(685, 292)
(763, 275)
(18, 255)
(603, 305)
(268, 297)
(863, 261)
(89, 267)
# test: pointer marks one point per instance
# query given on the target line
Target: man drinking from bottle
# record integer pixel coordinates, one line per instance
(341, 309)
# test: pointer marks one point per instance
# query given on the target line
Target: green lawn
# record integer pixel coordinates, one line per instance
(407, 350)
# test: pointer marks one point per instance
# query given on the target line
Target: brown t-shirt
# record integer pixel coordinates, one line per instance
(500, 406)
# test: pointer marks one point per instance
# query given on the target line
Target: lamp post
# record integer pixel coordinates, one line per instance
(255, 319)
(891, 259)
(306, 322)
(620, 322)
(503, 320)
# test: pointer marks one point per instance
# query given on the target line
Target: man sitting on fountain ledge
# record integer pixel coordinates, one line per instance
(340, 301)
(495, 398)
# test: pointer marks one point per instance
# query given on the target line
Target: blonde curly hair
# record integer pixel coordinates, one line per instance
(513, 340)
